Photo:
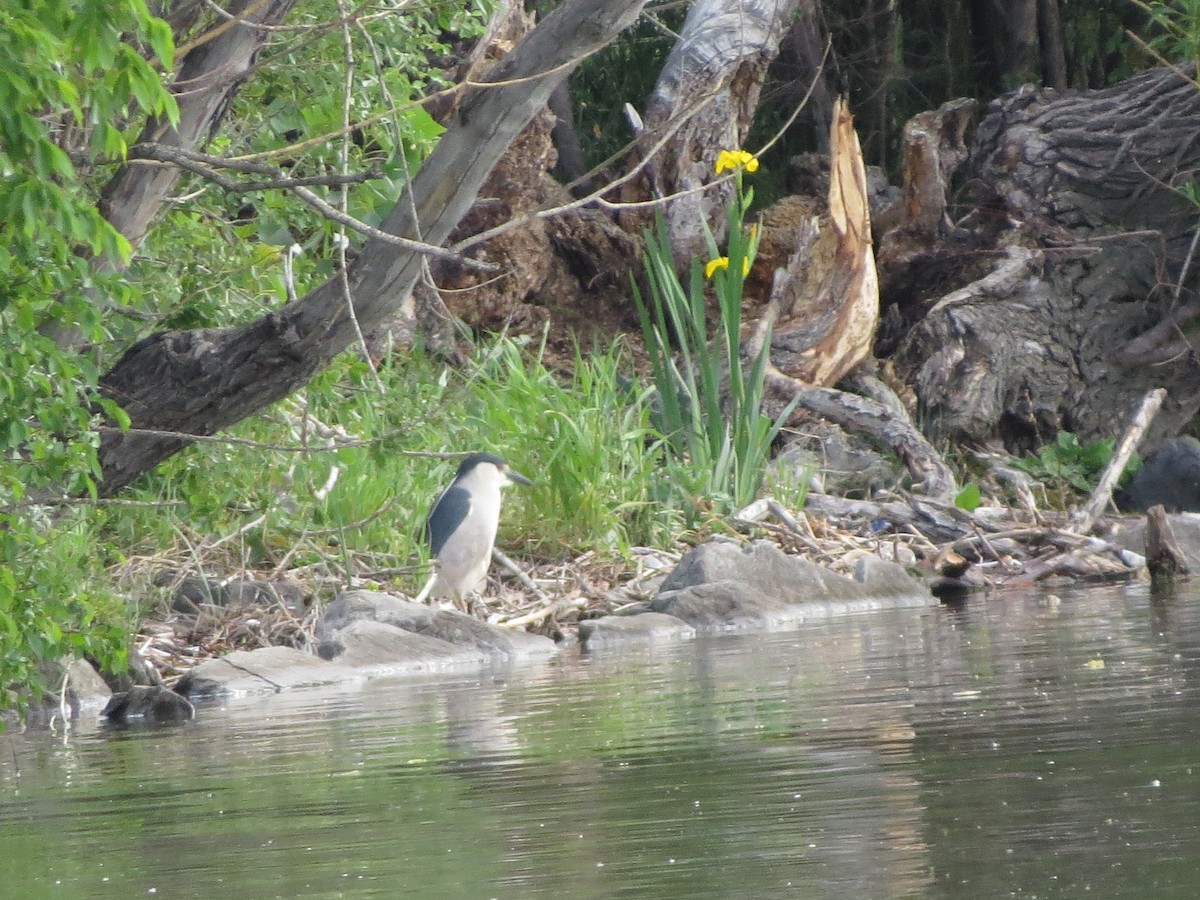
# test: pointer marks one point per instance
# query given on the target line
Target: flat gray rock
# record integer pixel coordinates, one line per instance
(502, 644)
(883, 577)
(725, 586)
(381, 649)
(726, 606)
(764, 567)
(645, 628)
(264, 671)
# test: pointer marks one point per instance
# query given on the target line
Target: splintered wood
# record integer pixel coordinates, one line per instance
(829, 298)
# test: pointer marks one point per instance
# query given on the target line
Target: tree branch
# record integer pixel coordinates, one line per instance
(199, 382)
(203, 164)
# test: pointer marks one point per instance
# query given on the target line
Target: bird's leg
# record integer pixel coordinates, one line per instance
(424, 593)
(473, 605)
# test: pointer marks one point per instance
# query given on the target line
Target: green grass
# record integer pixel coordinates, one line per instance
(603, 484)
(717, 437)
(584, 437)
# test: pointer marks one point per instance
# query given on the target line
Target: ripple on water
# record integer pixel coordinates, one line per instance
(1019, 745)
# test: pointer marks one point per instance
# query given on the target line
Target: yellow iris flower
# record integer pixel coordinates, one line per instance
(736, 159)
(722, 262)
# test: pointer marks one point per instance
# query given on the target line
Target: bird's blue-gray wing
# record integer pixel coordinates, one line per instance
(448, 514)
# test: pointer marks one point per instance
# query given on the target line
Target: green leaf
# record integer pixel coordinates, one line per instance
(969, 497)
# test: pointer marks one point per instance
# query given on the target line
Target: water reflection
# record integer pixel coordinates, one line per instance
(1025, 745)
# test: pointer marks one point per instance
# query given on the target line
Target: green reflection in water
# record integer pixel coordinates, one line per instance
(1020, 746)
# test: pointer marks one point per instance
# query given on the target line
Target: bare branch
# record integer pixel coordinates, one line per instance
(205, 165)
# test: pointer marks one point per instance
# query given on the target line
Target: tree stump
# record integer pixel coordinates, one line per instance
(1164, 558)
(1081, 241)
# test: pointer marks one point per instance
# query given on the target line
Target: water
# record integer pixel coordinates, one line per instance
(1022, 746)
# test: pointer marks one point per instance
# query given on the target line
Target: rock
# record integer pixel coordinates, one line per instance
(85, 686)
(1170, 477)
(85, 690)
(267, 670)
(645, 628)
(723, 586)
(501, 644)
(954, 588)
(726, 606)
(383, 649)
(881, 576)
(763, 566)
(363, 634)
(149, 704)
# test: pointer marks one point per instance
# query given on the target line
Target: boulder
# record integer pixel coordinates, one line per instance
(726, 606)
(607, 632)
(1170, 477)
(267, 670)
(148, 704)
(883, 577)
(724, 586)
(85, 690)
(85, 686)
(382, 649)
(500, 644)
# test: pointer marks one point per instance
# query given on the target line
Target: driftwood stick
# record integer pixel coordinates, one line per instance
(543, 612)
(519, 573)
(792, 523)
(1164, 558)
(938, 522)
(1083, 519)
(874, 419)
(887, 423)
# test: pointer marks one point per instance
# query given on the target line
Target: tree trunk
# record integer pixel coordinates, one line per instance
(1018, 23)
(1097, 161)
(706, 94)
(209, 77)
(801, 69)
(198, 382)
(1080, 313)
(1054, 54)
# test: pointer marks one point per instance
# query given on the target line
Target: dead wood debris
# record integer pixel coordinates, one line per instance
(993, 547)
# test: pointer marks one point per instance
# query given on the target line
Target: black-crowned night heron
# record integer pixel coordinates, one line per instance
(461, 528)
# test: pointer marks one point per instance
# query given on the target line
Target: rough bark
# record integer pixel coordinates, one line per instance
(890, 428)
(914, 232)
(934, 148)
(199, 382)
(572, 166)
(711, 81)
(1096, 160)
(1024, 40)
(1086, 243)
